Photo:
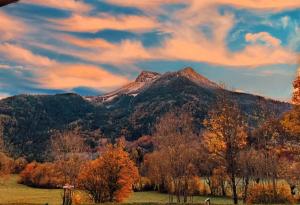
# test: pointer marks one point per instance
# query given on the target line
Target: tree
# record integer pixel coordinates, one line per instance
(226, 137)
(69, 151)
(172, 164)
(296, 92)
(110, 177)
(6, 163)
(276, 144)
(291, 122)
(250, 167)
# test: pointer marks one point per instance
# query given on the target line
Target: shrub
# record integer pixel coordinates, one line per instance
(264, 194)
(41, 175)
(19, 165)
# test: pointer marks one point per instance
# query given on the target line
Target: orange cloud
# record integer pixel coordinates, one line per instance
(72, 5)
(52, 74)
(126, 52)
(11, 27)
(68, 76)
(87, 43)
(251, 4)
(188, 43)
(262, 36)
(143, 4)
(81, 23)
(23, 56)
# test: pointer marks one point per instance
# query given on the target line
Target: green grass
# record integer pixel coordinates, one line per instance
(154, 197)
(13, 193)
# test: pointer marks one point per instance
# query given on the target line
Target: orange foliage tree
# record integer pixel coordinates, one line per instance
(226, 137)
(296, 93)
(172, 165)
(110, 177)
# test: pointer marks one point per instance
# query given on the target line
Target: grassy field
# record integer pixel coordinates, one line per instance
(13, 193)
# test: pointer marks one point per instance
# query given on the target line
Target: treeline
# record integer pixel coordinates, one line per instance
(228, 158)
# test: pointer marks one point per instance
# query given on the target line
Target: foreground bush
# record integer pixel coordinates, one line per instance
(111, 177)
(44, 175)
(264, 194)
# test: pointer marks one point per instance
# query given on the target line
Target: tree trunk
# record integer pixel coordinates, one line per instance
(293, 189)
(274, 187)
(246, 185)
(234, 189)
(223, 188)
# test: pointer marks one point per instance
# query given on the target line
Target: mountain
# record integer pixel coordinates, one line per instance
(130, 111)
(144, 80)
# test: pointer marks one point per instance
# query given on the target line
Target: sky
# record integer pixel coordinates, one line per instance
(95, 46)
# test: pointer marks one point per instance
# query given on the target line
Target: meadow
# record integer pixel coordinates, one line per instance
(13, 193)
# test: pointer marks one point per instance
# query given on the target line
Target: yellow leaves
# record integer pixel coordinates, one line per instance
(291, 121)
(214, 142)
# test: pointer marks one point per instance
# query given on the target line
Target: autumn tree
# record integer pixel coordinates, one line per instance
(6, 163)
(275, 145)
(296, 92)
(109, 178)
(226, 137)
(172, 162)
(68, 150)
(250, 168)
(208, 164)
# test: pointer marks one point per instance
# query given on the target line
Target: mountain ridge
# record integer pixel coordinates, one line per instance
(146, 78)
(132, 111)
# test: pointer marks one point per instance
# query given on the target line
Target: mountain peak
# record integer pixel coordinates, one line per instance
(188, 70)
(147, 76)
(191, 74)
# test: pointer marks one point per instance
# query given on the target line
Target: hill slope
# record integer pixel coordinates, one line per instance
(130, 111)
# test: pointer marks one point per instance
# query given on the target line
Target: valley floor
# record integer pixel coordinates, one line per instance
(13, 193)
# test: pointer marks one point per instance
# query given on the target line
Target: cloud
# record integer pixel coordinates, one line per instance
(52, 74)
(125, 52)
(87, 43)
(285, 21)
(11, 27)
(189, 44)
(262, 37)
(69, 76)
(9, 67)
(143, 4)
(72, 5)
(251, 4)
(22, 56)
(83, 23)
